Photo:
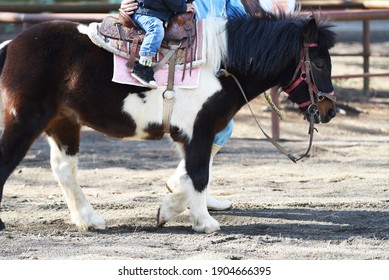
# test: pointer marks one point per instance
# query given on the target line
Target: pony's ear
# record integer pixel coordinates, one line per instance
(311, 33)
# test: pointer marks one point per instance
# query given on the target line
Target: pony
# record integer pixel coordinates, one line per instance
(54, 80)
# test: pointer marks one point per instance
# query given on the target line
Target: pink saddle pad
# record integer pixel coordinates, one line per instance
(123, 76)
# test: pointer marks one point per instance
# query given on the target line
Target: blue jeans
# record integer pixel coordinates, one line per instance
(154, 34)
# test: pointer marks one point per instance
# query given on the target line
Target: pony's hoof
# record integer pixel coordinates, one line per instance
(218, 205)
(97, 222)
(209, 226)
(93, 222)
(2, 225)
(160, 220)
(163, 217)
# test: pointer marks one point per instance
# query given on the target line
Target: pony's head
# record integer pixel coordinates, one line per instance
(288, 50)
(311, 85)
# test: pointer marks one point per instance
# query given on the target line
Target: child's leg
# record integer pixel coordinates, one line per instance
(154, 34)
(151, 43)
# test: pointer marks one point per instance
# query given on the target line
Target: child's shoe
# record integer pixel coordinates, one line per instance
(145, 75)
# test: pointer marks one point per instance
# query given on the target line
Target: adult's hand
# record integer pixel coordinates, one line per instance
(129, 6)
(190, 8)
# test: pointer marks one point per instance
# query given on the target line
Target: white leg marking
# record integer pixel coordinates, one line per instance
(217, 204)
(212, 202)
(199, 216)
(186, 196)
(171, 206)
(174, 180)
(65, 170)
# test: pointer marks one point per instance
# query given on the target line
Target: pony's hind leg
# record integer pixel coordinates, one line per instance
(212, 202)
(21, 127)
(184, 197)
(64, 137)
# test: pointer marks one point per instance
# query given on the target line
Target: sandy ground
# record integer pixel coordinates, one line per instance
(332, 205)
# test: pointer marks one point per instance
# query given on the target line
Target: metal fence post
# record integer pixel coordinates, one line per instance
(366, 55)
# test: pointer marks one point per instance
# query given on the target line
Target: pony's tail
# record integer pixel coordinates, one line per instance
(3, 54)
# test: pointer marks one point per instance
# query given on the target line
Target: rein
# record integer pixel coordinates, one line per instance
(306, 75)
(223, 72)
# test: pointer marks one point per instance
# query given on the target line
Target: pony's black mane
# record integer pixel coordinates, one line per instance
(266, 42)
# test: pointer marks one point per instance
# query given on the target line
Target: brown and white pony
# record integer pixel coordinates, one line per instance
(54, 81)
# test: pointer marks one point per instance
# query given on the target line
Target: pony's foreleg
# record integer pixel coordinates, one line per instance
(192, 194)
(64, 167)
(200, 218)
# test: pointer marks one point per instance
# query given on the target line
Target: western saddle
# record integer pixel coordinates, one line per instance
(179, 34)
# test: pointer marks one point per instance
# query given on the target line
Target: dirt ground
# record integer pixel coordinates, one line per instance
(332, 205)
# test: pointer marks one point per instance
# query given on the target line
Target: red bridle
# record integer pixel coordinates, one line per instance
(307, 76)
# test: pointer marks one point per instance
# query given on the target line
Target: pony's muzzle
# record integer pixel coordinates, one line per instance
(327, 110)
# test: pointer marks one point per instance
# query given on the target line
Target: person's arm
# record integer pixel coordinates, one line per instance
(129, 6)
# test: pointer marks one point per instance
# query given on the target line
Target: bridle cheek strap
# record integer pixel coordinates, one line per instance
(296, 83)
(305, 76)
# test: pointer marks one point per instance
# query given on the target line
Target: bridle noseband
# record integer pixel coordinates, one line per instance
(306, 75)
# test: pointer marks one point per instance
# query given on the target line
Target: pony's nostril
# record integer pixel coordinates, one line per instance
(331, 113)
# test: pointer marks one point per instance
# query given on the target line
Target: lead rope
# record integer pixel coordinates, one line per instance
(312, 110)
(273, 106)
